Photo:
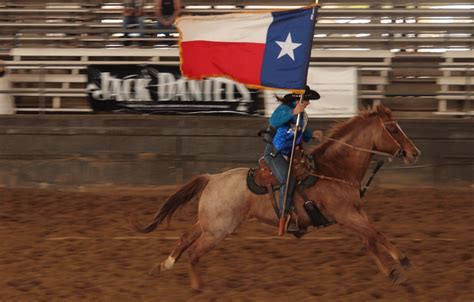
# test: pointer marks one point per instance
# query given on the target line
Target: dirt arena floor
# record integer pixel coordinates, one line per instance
(72, 246)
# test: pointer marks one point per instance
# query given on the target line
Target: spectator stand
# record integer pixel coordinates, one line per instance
(373, 25)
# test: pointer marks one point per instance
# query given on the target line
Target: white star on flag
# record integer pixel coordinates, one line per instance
(288, 47)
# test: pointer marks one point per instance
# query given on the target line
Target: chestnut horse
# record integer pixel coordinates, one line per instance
(343, 159)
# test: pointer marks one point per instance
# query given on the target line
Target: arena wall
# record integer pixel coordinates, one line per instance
(73, 151)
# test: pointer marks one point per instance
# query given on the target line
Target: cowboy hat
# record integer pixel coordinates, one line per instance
(308, 95)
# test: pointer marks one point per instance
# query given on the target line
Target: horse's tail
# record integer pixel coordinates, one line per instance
(185, 194)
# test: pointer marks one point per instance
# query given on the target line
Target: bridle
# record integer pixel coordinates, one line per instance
(400, 152)
(397, 153)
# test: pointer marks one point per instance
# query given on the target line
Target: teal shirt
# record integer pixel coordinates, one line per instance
(283, 116)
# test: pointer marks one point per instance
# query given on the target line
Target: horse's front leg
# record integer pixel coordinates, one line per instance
(391, 249)
(357, 222)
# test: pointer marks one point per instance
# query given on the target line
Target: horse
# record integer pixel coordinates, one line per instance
(225, 202)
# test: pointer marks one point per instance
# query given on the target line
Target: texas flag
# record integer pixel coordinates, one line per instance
(266, 50)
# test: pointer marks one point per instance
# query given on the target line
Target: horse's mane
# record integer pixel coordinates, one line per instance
(341, 129)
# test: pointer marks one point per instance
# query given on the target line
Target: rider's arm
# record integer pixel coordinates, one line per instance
(281, 116)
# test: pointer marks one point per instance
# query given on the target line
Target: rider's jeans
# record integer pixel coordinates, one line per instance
(279, 167)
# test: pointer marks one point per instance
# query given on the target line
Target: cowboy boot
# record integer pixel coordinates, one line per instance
(293, 227)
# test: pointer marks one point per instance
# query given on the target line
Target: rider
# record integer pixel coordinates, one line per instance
(277, 153)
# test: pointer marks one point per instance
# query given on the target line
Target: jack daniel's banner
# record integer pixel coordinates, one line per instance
(157, 89)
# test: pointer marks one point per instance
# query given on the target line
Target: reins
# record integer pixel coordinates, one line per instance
(359, 148)
(336, 180)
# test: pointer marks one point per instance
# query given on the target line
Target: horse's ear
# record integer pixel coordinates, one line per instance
(383, 111)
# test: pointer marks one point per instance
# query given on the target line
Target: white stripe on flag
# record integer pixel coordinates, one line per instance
(244, 27)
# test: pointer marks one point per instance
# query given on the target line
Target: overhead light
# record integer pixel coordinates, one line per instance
(55, 35)
(225, 6)
(198, 7)
(272, 6)
(111, 21)
(161, 46)
(63, 6)
(459, 35)
(444, 20)
(455, 6)
(357, 49)
(109, 6)
(432, 50)
(360, 21)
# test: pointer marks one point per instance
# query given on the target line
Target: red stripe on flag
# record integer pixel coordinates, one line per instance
(241, 61)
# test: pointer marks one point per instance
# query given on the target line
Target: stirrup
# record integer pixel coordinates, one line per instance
(294, 228)
(291, 224)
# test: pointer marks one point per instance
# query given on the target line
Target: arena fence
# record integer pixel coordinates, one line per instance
(60, 151)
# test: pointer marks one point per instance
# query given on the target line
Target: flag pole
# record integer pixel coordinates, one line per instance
(281, 226)
(282, 222)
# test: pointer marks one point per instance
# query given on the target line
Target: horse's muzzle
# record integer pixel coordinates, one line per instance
(410, 157)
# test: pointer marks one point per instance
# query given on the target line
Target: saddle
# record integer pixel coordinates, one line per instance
(301, 168)
(260, 180)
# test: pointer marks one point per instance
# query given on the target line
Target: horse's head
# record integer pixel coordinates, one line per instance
(392, 139)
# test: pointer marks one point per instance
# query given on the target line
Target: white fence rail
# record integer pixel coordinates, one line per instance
(54, 80)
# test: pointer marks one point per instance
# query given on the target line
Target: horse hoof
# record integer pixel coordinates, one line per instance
(155, 270)
(396, 277)
(405, 263)
(298, 233)
(196, 286)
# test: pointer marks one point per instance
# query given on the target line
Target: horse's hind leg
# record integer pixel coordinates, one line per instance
(204, 244)
(183, 243)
